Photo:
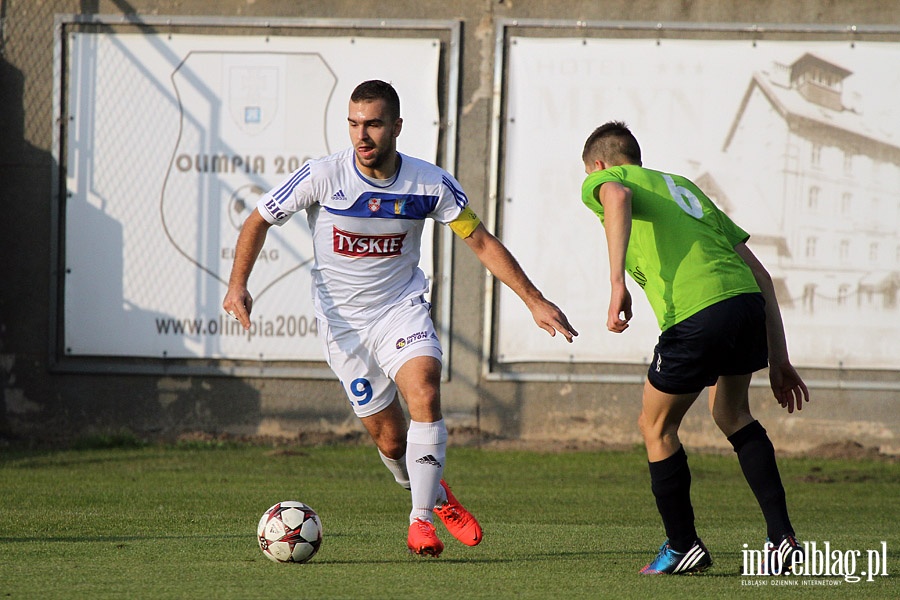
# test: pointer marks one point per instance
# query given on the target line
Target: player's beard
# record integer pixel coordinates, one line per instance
(377, 159)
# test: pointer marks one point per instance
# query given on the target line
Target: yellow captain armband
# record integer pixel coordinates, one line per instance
(465, 223)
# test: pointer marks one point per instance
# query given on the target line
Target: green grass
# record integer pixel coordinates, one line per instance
(133, 521)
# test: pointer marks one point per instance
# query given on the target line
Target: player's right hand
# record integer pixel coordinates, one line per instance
(238, 303)
(788, 387)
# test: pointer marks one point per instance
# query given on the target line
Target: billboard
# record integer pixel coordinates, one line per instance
(170, 140)
(798, 141)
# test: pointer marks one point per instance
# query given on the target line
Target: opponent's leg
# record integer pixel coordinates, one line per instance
(670, 481)
(670, 476)
(660, 418)
(729, 405)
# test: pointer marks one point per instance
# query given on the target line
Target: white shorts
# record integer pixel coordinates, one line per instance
(367, 360)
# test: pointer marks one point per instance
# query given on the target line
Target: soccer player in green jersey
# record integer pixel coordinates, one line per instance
(720, 322)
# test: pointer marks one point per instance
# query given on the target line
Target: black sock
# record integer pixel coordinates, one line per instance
(670, 480)
(757, 457)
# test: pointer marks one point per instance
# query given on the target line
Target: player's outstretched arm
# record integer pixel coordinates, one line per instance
(238, 302)
(501, 263)
(787, 385)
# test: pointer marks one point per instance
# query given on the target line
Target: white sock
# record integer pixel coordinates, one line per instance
(426, 450)
(441, 497)
(397, 467)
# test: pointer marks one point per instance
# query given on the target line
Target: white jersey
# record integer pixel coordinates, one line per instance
(366, 233)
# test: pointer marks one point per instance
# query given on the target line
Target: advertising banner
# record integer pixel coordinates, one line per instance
(171, 139)
(798, 142)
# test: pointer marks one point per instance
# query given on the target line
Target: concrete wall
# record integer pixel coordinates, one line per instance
(43, 405)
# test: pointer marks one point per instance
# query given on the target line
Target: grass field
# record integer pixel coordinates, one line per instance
(180, 522)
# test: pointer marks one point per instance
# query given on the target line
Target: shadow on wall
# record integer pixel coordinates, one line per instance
(39, 406)
(19, 162)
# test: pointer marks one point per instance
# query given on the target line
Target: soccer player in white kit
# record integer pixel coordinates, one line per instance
(366, 208)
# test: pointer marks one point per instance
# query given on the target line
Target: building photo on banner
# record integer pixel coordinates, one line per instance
(798, 142)
(170, 142)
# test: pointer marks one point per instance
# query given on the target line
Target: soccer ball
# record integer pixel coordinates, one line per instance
(290, 531)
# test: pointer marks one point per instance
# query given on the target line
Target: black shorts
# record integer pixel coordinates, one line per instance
(727, 338)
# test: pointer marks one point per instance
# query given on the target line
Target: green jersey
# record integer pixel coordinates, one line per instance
(681, 250)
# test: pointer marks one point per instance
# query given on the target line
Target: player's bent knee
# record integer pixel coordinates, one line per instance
(650, 429)
(728, 424)
(392, 446)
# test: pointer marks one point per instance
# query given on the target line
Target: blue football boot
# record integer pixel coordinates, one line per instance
(671, 562)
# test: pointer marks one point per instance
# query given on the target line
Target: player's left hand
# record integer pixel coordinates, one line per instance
(788, 387)
(551, 319)
(619, 312)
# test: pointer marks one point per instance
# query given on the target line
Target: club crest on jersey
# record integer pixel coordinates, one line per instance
(374, 204)
(348, 243)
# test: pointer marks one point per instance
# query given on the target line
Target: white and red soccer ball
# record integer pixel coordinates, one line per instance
(290, 532)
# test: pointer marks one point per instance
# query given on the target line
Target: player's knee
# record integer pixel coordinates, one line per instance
(648, 427)
(729, 420)
(392, 448)
(656, 428)
(425, 405)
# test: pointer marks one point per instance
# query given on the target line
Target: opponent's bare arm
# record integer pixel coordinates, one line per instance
(616, 201)
(788, 387)
(238, 300)
(501, 263)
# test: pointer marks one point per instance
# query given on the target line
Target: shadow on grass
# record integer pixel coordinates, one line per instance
(89, 539)
(93, 539)
(632, 557)
(600, 556)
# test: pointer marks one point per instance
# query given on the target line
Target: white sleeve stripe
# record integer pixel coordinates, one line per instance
(285, 190)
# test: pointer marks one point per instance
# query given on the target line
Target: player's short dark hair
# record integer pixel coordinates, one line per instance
(614, 144)
(375, 89)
